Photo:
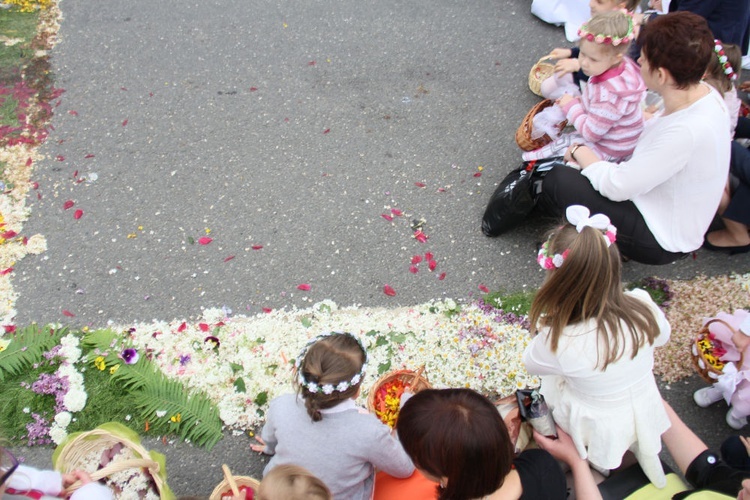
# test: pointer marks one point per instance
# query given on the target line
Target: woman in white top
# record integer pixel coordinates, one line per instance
(664, 198)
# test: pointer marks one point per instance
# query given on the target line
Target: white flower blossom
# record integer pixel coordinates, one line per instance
(75, 400)
(63, 419)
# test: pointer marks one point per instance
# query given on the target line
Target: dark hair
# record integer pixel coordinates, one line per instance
(459, 434)
(587, 286)
(679, 42)
(331, 360)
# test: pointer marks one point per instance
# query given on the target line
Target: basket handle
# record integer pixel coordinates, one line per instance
(230, 480)
(119, 466)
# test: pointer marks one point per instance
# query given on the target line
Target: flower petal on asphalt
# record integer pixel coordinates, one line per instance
(416, 259)
(388, 290)
(305, 287)
(484, 289)
(78, 214)
(387, 217)
(68, 204)
(413, 269)
(68, 313)
(205, 240)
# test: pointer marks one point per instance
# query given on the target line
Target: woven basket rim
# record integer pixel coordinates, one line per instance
(704, 372)
(535, 83)
(417, 385)
(523, 132)
(240, 480)
(88, 441)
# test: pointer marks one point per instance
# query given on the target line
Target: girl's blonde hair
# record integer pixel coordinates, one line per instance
(715, 74)
(292, 482)
(607, 27)
(334, 360)
(587, 287)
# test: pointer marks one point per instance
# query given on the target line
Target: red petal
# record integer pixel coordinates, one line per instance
(441, 190)
(419, 184)
(68, 204)
(35, 185)
(9, 328)
(125, 122)
(388, 290)
(227, 259)
(6, 271)
(68, 313)
(428, 256)
(75, 174)
(311, 63)
(203, 327)
(25, 240)
(387, 217)
(441, 277)
(123, 88)
(89, 156)
(432, 265)
(420, 236)
(73, 112)
(413, 269)
(326, 130)
(78, 214)
(304, 287)
(182, 327)
(253, 89)
(267, 310)
(416, 259)
(8, 234)
(397, 212)
(205, 240)
(257, 247)
(60, 158)
(29, 162)
(484, 289)
(477, 174)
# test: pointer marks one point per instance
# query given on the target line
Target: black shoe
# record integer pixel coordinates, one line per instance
(730, 250)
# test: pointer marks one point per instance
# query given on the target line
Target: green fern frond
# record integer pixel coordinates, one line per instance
(27, 347)
(132, 377)
(99, 339)
(199, 420)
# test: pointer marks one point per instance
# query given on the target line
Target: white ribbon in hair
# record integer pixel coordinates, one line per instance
(580, 217)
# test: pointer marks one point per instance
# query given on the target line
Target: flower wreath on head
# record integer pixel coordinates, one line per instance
(600, 38)
(724, 61)
(342, 386)
(580, 217)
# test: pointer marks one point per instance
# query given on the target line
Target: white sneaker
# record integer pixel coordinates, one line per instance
(707, 396)
(735, 423)
(746, 62)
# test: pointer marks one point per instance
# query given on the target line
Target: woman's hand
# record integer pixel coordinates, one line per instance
(76, 475)
(582, 155)
(559, 53)
(260, 447)
(561, 448)
(568, 65)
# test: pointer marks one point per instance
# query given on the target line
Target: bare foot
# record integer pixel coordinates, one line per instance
(724, 238)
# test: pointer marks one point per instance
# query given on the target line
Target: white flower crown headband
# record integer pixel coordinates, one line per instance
(724, 61)
(580, 217)
(343, 386)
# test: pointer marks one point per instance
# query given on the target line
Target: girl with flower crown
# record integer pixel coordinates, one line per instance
(721, 75)
(594, 350)
(321, 428)
(607, 117)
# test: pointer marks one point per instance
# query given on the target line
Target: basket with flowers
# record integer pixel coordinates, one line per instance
(384, 399)
(235, 487)
(708, 351)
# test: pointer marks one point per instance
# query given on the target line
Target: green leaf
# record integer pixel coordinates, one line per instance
(397, 338)
(191, 240)
(27, 346)
(384, 367)
(306, 322)
(236, 367)
(371, 333)
(261, 399)
(381, 341)
(324, 308)
(239, 384)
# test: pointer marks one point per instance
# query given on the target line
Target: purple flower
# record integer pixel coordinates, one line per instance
(38, 431)
(130, 356)
(184, 359)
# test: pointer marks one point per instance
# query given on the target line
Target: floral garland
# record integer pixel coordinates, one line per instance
(600, 38)
(724, 61)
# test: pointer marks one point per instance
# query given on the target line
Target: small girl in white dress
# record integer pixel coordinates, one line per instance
(595, 347)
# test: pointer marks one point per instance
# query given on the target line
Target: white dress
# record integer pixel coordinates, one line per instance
(571, 13)
(606, 412)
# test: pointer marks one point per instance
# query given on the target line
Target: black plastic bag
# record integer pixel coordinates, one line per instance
(516, 196)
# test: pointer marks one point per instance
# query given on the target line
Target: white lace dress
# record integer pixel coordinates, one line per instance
(606, 412)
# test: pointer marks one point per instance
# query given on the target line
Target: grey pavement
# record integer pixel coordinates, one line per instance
(292, 126)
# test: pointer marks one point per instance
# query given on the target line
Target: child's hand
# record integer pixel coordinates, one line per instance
(746, 442)
(559, 53)
(564, 66)
(260, 448)
(564, 100)
(76, 475)
(745, 86)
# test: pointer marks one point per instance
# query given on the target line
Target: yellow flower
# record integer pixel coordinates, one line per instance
(176, 418)
(4, 344)
(99, 363)
(113, 369)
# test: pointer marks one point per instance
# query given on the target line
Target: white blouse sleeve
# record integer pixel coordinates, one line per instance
(539, 359)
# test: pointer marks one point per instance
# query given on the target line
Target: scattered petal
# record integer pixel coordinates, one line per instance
(267, 310)
(428, 256)
(441, 277)
(227, 259)
(78, 214)
(420, 184)
(413, 269)
(388, 290)
(477, 174)
(420, 236)
(9, 328)
(326, 130)
(29, 161)
(253, 89)
(68, 204)
(484, 289)
(123, 88)
(73, 112)
(205, 240)
(6, 271)
(397, 212)
(35, 185)
(432, 265)
(124, 122)
(60, 158)
(68, 313)
(182, 327)
(8, 235)
(387, 217)
(305, 287)
(88, 156)
(416, 259)
(257, 247)
(311, 63)
(203, 326)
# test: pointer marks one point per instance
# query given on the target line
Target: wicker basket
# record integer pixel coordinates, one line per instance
(416, 381)
(523, 134)
(542, 70)
(77, 449)
(699, 353)
(226, 484)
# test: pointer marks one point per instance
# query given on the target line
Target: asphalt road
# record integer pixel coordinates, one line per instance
(292, 127)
